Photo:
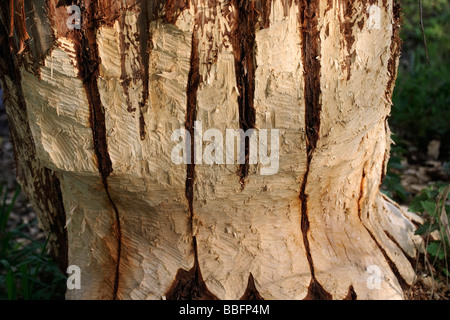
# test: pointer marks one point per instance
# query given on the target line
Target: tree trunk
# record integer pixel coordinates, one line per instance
(92, 112)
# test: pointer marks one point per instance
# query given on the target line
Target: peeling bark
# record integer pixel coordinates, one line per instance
(40, 183)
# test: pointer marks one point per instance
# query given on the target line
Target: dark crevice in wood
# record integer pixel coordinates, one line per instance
(317, 292)
(361, 191)
(191, 116)
(351, 294)
(88, 62)
(312, 92)
(145, 43)
(305, 221)
(405, 286)
(383, 169)
(189, 285)
(243, 43)
(308, 18)
(407, 256)
(386, 153)
(251, 293)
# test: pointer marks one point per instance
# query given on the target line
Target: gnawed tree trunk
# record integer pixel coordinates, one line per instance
(92, 112)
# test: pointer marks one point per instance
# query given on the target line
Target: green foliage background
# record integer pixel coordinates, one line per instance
(421, 110)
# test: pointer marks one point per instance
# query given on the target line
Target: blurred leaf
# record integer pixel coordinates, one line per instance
(430, 207)
(425, 229)
(435, 249)
(416, 205)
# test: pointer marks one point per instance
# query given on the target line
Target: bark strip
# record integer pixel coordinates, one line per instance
(145, 47)
(88, 62)
(395, 48)
(17, 23)
(243, 42)
(308, 16)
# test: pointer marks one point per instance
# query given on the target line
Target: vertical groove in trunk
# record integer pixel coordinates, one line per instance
(191, 116)
(88, 62)
(361, 191)
(351, 295)
(251, 293)
(189, 285)
(145, 43)
(308, 16)
(391, 263)
(243, 42)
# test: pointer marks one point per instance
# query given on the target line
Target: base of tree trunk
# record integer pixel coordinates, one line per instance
(92, 112)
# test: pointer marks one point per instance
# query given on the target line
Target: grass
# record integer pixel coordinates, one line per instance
(26, 270)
